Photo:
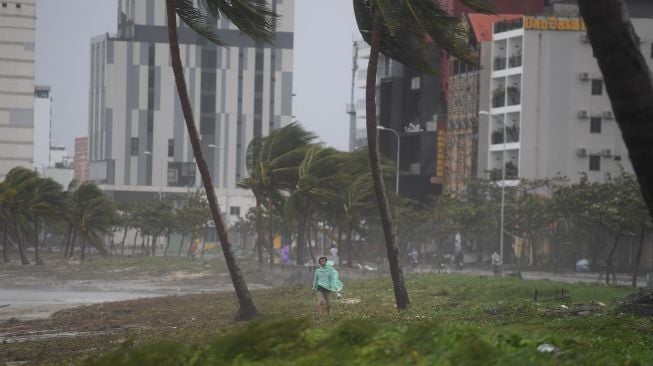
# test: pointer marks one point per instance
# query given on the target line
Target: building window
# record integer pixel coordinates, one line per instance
(234, 210)
(595, 125)
(17, 6)
(617, 158)
(171, 147)
(597, 87)
(134, 146)
(595, 163)
(4, 5)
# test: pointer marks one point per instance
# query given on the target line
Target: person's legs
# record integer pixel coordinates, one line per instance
(318, 302)
(327, 300)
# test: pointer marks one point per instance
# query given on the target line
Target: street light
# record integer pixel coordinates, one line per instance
(503, 179)
(381, 128)
(149, 153)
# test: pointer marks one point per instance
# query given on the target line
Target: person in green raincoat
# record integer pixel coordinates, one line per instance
(325, 284)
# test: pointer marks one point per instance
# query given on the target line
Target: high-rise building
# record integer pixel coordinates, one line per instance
(17, 44)
(80, 160)
(550, 114)
(137, 133)
(42, 125)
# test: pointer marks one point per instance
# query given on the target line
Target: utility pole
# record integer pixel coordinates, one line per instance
(351, 108)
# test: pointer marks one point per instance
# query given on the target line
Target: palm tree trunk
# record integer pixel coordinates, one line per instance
(83, 248)
(134, 243)
(247, 308)
(638, 256)
(628, 82)
(270, 233)
(5, 243)
(71, 250)
(308, 239)
(401, 295)
(122, 244)
(259, 232)
(339, 245)
(69, 235)
(301, 238)
(155, 237)
(23, 258)
(37, 259)
(181, 244)
(165, 251)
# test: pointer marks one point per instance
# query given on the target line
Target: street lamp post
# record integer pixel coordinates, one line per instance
(503, 181)
(149, 153)
(381, 128)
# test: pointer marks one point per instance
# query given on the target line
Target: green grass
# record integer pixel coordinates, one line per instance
(452, 320)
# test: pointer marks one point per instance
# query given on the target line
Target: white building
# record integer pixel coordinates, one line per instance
(137, 134)
(547, 88)
(42, 125)
(17, 41)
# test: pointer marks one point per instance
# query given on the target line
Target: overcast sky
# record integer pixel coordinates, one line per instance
(324, 30)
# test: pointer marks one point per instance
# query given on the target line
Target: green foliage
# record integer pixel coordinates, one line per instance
(161, 354)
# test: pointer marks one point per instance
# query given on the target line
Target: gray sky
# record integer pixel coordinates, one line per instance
(323, 33)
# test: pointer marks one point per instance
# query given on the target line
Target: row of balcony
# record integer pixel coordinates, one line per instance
(513, 61)
(511, 172)
(499, 96)
(512, 135)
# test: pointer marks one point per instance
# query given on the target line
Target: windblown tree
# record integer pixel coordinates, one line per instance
(93, 213)
(14, 202)
(403, 30)
(45, 202)
(254, 19)
(273, 166)
(628, 81)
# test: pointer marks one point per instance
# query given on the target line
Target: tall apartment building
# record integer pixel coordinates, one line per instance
(137, 134)
(42, 125)
(17, 44)
(548, 96)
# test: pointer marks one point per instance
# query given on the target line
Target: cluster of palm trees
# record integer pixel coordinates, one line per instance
(32, 206)
(152, 220)
(303, 187)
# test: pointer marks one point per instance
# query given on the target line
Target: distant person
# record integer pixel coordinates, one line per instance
(414, 257)
(285, 255)
(334, 251)
(496, 263)
(325, 283)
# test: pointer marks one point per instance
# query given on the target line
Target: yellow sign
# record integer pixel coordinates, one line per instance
(441, 142)
(555, 24)
(277, 242)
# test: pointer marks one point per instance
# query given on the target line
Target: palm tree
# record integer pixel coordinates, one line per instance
(46, 201)
(628, 81)
(402, 30)
(272, 164)
(15, 198)
(254, 19)
(93, 214)
(317, 181)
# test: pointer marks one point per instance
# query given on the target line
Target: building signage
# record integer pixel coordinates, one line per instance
(441, 141)
(554, 24)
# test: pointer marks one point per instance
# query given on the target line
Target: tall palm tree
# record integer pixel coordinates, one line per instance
(254, 19)
(628, 81)
(273, 163)
(402, 30)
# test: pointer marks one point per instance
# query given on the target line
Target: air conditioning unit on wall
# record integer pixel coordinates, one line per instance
(583, 114)
(581, 152)
(606, 153)
(608, 115)
(584, 75)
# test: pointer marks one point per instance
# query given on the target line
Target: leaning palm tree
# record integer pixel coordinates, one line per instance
(273, 165)
(402, 30)
(628, 81)
(253, 18)
(93, 213)
(46, 201)
(14, 201)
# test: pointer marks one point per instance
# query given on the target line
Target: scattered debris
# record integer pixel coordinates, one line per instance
(640, 303)
(547, 348)
(577, 310)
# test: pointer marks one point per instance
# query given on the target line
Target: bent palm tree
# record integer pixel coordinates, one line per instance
(401, 30)
(254, 19)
